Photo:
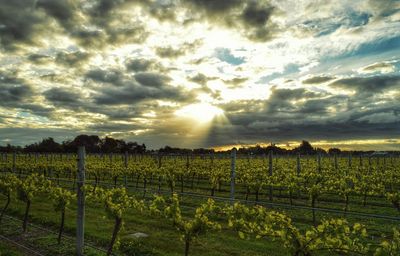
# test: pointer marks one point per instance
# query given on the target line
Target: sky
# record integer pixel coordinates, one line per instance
(202, 73)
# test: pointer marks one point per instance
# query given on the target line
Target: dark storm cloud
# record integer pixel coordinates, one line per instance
(320, 106)
(90, 23)
(108, 26)
(111, 76)
(132, 93)
(175, 52)
(255, 18)
(60, 95)
(318, 79)
(13, 91)
(308, 131)
(134, 34)
(99, 37)
(251, 17)
(163, 10)
(201, 79)
(18, 19)
(141, 64)
(280, 99)
(245, 106)
(152, 79)
(293, 114)
(215, 7)
(72, 59)
(37, 109)
(62, 10)
(123, 113)
(169, 52)
(39, 58)
(368, 85)
(113, 126)
(103, 8)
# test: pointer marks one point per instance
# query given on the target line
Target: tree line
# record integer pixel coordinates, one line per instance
(92, 143)
(95, 144)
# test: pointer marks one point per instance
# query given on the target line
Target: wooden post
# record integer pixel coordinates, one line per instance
(126, 168)
(159, 160)
(270, 173)
(233, 174)
(298, 165)
(349, 160)
(80, 223)
(335, 161)
(14, 159)
(319, 161)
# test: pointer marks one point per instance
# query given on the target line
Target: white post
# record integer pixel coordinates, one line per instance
(80, 230)
(233, 174)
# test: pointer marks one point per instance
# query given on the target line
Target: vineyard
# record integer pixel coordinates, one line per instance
(201, 204)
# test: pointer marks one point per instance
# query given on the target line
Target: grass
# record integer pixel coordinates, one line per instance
(7, 249)
(163, 238)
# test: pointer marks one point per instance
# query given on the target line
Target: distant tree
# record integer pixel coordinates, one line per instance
(321, 151)
(203, 151)
(109, 145)
(305, 148)
(171, 150)
(46, 145)
(9, 148)
(333, 151)
(91, 143)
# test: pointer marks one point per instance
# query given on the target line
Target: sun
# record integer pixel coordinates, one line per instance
(201, 112)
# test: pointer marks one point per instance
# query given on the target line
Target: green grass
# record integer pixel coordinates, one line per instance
(7, 249)
(163, 238)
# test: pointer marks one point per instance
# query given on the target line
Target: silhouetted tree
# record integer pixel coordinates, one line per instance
(46, 145)
(333, 151)
(305, 148)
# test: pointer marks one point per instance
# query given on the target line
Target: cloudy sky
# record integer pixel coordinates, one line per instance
(202, 73)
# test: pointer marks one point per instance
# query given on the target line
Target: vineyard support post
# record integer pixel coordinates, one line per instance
(159, 160)
(349, 160)
(80, 223)
(335, 161)
(14, 159)
(369, 163)
(233, 174)
(126, 168)
(298, 164)
(270, 173)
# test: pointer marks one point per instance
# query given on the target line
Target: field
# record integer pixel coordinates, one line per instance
(282, 205)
